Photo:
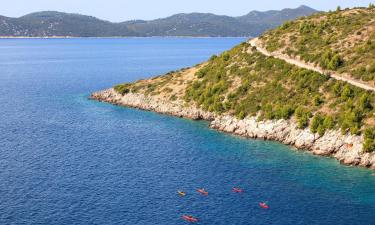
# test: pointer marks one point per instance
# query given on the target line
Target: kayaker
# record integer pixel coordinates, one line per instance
(202, 191)
(237, 190)
(189, 218)
(264, 205)
(181, 193)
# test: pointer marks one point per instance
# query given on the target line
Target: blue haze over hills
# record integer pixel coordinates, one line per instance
(51, 23)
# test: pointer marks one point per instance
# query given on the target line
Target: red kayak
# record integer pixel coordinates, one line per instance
(237, 190)
(189, 218)
(263, 205)
(202, 191)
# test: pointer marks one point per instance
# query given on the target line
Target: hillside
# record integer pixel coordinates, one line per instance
(340, 42)
(243, 83)
(205, 24)
(49, 23)
(44, 24)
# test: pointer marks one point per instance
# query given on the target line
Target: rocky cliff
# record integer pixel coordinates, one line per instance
(346, 148)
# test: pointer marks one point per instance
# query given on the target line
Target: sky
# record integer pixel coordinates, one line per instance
(122, 10)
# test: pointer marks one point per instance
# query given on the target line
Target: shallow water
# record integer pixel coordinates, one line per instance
(67, 160)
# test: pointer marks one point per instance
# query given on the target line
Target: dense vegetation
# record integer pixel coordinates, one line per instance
(252, 84)
(342, 41)
(194, 24)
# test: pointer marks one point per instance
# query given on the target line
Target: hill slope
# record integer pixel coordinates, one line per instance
(44, 24)
(51, 23)
(340, 42)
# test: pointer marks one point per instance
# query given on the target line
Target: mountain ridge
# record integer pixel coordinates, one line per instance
(54, 23)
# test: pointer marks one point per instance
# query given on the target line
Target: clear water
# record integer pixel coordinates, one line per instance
(67, 160)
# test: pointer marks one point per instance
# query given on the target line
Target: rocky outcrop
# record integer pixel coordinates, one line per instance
(152, 103)
(346, 148)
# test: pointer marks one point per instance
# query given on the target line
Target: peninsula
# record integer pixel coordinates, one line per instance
(308, 83)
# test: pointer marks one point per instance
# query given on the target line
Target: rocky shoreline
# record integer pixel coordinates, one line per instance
(345, 148)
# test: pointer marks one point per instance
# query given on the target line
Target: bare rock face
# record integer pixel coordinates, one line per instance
(346, 148)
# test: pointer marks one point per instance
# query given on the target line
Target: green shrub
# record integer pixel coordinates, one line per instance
(213, 57)
(365, 102)
(328, 122)
(346, 93)
(321, 130)
(320, 123)
(241, 115)
(369, 140)
(200, 74)
(173, 98)
(123, 88)
(352, 121)
(168, 90)
(316, 122)
(317, 100)
(303, 117)
(331, 60)
(226, 57)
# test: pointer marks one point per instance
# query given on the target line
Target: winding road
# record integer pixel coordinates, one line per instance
(255, 43)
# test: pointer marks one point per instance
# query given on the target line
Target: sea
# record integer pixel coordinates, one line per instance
(65, 159)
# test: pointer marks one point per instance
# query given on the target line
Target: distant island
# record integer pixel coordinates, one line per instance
(308, 83)
(58, 24)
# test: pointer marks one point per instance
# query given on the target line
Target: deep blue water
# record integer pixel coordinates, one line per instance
(68, 160)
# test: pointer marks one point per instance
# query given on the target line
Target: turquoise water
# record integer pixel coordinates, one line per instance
(68, 160)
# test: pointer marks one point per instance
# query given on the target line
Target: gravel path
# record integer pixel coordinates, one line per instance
(256, 43)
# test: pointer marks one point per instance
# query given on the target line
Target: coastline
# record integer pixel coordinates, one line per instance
(345, 148)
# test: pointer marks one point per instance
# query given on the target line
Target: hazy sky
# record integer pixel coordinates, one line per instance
(120, 10)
